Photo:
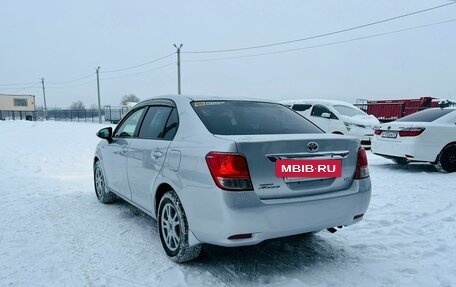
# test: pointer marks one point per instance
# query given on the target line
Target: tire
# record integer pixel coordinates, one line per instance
(446, 161)
(99, 182)
(400, 161)
(173, 229)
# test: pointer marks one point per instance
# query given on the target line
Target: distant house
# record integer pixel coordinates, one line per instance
(16, 106)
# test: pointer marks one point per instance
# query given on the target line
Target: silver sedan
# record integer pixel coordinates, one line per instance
(230, 172)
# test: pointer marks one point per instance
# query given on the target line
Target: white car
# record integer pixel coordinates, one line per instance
(337, 117)
(425, 136)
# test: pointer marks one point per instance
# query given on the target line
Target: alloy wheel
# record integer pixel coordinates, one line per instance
(448, 159)
(99, 182)
(170, 226)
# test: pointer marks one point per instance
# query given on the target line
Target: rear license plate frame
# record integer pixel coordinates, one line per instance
(389, 134)
(308, 169)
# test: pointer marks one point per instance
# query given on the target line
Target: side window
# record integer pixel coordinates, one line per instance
(129, 125)
(301, 107)
(153, 126)
(171, 125)
(318, 111)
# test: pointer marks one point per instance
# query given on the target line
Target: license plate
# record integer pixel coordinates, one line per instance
(386, 134)
(320, 168)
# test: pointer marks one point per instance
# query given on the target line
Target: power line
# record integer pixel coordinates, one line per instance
(83, 77)
(33, 87)
(320, 45)
(20, 89)
(139, 73)
(18, 84)
(71, 81)
(136, 66)
(116, 77)
(320, 35)
(73, 86)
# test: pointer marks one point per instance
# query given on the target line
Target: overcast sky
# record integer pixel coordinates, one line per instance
(66, 40)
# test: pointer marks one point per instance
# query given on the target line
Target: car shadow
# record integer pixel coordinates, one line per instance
(271, 259)
(290, 256)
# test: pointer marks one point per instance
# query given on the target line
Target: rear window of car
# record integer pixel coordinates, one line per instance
(429, 115)
(251, 118)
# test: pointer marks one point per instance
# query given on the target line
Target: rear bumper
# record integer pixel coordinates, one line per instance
(408, 149)
(244, 213)
(366, 142)
(365, 136)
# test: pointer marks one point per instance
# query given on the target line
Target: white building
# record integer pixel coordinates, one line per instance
(16, 105)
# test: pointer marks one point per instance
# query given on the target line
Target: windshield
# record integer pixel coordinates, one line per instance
(348, 111)
(429, 115)
(251, 118)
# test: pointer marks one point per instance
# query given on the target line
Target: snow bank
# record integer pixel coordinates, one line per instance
(55, 233)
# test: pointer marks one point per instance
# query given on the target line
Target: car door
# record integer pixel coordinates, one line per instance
(323, 117)
(115, 154)
(148, 152)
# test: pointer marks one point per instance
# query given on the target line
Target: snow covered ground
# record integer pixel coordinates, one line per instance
(53, 231)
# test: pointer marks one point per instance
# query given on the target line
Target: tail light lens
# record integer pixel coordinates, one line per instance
(362, 167)
(378, 132)
(229, 171)
(411, 132)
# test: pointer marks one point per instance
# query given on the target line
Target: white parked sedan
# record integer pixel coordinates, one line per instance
(425, 136)
(337, 117)
(230, 172)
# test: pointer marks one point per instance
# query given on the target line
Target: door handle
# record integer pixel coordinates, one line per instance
(124, 149)
(157, 154)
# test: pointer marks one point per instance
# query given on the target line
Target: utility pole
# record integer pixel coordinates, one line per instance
(44, 96)
(98, 91)
(178, 68)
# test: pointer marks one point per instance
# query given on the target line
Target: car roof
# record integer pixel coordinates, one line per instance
(316, 101)
(190, 98)
(446, 108)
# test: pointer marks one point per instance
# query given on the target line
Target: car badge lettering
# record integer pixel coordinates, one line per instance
(268, 186)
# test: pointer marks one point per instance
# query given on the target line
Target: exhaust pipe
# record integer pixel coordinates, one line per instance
(333, 229)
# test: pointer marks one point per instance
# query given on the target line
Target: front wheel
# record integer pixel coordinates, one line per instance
(446, 161)
(173, 229)
(101, 192)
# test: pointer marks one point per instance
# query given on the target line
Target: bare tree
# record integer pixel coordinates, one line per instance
(131, 98)
(79, 105)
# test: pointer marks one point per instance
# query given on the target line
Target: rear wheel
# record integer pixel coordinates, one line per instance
(173, 229)
(103, 195)
(446, 161)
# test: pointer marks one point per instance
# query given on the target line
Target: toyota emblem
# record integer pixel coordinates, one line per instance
(312, 146)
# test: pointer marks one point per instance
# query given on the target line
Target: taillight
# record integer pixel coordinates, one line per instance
(362, 168)
(378, 132)
(411, 132)
(229, 171)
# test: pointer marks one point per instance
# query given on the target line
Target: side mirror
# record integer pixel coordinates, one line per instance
(106, 134)
(326, 115)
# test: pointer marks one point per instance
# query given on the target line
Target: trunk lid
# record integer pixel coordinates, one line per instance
(261, 152)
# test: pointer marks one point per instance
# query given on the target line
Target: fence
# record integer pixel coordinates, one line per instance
(17, 115)
(110, 114)
(387, 111)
